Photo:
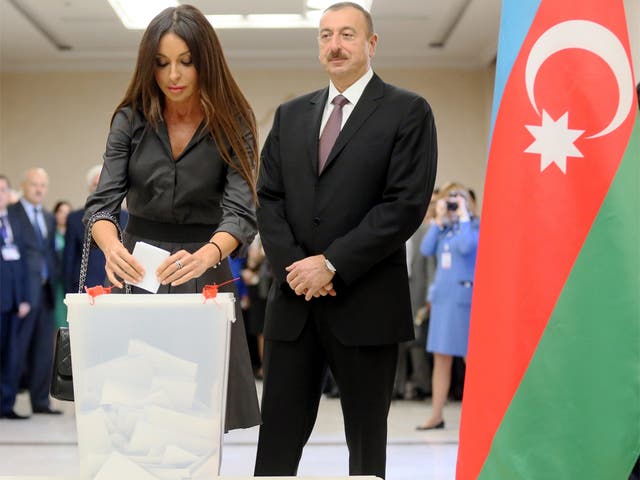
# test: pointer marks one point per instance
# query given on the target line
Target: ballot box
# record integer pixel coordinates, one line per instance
(150, 381)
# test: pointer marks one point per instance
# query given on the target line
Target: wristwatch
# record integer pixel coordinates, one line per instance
(329, 265)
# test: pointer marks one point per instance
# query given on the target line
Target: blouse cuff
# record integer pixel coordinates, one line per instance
(244, 234)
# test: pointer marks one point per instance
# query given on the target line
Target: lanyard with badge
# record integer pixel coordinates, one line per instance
(445, 257)
(10, 252)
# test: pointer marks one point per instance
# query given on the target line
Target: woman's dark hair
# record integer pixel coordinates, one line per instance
(227, 114)
(59, 204)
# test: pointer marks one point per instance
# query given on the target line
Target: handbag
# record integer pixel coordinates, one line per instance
(61, 376)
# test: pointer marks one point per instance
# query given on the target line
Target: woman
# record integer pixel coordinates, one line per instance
(182, 149)
(60, 212)
(453, 239)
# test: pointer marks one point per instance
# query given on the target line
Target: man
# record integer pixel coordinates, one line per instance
(35, 334)
(334, 218)
(74, 242)
(14, 303)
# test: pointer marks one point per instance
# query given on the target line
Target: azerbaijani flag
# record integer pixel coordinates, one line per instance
(553, 373)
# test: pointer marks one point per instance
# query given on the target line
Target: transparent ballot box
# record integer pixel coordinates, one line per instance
(150, 381)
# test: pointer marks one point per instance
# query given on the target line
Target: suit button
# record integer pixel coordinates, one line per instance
(316, 221)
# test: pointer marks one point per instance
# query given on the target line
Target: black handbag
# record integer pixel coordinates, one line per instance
(62, 377)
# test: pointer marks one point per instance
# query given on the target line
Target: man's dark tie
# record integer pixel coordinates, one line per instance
(3, 227)
(36, 226)
(37, 214)
(331, 131)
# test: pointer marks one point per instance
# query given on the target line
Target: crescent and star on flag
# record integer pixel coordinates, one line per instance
(554, 140)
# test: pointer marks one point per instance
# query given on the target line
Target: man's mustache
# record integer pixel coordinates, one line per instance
(336, 55)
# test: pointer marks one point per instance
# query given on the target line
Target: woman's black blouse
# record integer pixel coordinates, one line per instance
(198, 187)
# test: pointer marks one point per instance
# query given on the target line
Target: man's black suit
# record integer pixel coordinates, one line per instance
(369, 199)
(35, 334)
(14, 290)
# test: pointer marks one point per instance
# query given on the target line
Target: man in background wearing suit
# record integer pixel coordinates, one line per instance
(14, 303)
(74, 243)
(341, 189)
(35, 334)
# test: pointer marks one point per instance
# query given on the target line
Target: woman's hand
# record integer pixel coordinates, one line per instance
(440, 212)
(182, 266)
(121, 265)
(462, 210)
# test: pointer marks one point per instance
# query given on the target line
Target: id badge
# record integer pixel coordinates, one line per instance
(445, 260)
(10, 253)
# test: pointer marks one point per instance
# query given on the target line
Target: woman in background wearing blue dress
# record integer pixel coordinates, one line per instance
(453, 239)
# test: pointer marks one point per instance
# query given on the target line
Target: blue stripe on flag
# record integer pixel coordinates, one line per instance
(516, 19)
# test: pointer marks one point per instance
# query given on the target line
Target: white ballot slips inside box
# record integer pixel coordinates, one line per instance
(121, 467)
(150, 375)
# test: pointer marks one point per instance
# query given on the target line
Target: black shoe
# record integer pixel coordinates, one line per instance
(420, 394)
(13, 416)
(397, 396)
(437, 426)
(335, 393)
(47, 411)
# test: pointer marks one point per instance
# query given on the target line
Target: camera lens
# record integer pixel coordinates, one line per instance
(452, 206)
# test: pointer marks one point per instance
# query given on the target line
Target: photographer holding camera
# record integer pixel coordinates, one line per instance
(453, 239)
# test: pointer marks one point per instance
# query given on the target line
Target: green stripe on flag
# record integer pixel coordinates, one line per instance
(576, 413)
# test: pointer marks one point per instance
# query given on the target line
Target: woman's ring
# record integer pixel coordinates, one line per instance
(178, 264)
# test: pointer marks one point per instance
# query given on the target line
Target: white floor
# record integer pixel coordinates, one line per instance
(46, 445)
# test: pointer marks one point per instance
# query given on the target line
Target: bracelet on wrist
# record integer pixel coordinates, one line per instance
(211, 242)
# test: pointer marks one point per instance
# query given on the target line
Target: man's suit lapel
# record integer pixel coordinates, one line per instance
(23, 218)
(367, 104)
(26, 226)
(314, 119)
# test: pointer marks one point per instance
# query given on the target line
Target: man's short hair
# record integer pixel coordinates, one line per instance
(91, 174)
(367, 15)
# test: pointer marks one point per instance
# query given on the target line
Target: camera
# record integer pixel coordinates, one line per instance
(452, 203)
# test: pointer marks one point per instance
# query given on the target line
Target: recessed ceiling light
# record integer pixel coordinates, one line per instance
(136, 14)
(263, 21)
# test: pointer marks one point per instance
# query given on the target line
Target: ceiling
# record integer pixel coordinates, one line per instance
(87, 35)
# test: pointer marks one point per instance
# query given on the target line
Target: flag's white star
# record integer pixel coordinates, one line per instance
(554, 141)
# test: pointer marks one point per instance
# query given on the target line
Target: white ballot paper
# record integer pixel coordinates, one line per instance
(162, 361)
(150, 257)
(118, 466)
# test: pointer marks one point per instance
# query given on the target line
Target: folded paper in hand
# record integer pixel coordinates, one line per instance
(150, 257)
